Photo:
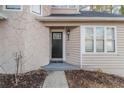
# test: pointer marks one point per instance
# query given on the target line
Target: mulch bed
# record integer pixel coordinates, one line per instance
(33, 79)
(93, 79)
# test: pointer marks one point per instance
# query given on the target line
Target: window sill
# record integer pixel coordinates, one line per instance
(100, 54)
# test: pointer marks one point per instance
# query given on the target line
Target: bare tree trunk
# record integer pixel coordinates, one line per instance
(18, 59)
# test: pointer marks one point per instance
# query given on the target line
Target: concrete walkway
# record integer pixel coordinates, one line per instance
(55, 79)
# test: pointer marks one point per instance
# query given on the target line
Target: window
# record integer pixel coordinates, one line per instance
(36, 9)
(89, 39)
(13, 7)
(110, 40)
(57, 36)
(64, 6)
(100, 39)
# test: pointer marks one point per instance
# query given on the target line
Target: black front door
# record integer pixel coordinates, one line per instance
(57, 44)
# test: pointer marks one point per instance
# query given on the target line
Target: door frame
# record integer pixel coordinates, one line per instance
(63, 44)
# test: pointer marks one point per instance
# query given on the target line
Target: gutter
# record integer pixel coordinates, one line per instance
(45, 19)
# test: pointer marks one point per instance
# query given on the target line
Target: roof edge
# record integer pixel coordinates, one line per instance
(43, 19)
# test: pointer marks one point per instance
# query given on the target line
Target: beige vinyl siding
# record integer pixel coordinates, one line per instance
(73, 47)
(104, 58)
(110, 63)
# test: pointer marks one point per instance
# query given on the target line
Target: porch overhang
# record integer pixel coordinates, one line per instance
(79, 19)
(2, 17)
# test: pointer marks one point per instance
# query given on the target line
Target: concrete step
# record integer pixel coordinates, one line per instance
(56, 61)
(60, 67)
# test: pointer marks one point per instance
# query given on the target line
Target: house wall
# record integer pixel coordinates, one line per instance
(111, 63)
(73, 47)
(46, 10)
(21, 32)
(36, 40)
(108, 63)
(11, 39)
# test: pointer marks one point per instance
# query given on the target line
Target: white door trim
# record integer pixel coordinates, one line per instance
(63, 41)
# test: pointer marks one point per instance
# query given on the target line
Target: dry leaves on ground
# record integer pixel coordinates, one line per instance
(92, 79)
(33, 79)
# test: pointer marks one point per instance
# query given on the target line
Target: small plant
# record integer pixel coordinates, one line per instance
(99, 71)
(18, 58)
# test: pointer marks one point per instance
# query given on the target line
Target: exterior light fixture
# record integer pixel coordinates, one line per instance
(68, 33)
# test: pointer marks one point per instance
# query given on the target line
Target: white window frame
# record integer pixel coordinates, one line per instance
(41, 11)
(5, 9)
(105, 48)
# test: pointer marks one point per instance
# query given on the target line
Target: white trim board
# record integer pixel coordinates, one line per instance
(78, 19)
(81, 45)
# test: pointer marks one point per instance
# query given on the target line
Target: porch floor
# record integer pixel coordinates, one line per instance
(60, 66)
